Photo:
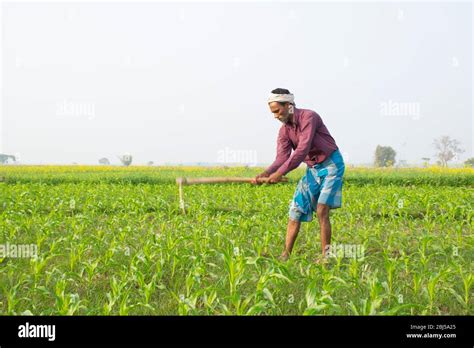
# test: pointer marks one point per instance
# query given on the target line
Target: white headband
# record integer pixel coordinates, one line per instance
(284, 98)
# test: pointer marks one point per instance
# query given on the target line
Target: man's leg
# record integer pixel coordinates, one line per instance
(325, 225)
(291, 234)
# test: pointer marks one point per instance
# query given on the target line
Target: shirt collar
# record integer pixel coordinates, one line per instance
(296, 117)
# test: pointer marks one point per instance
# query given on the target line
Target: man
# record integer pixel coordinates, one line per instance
(320, 189)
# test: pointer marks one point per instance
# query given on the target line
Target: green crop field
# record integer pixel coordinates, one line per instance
(113, 241)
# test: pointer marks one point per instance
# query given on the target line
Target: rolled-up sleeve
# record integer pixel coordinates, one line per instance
(283, 151)
(309, 124)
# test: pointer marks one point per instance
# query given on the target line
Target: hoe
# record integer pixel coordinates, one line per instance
(222, 180)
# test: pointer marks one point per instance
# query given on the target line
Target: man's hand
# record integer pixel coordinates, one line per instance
(274, 178)
(255, 180)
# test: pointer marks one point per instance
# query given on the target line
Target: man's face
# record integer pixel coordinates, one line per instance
(281, 112)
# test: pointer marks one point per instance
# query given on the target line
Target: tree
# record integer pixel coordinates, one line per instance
(104, 161)
(5, 158)
(126, 159)
(469, 162)
(384, 156)
(447, 149)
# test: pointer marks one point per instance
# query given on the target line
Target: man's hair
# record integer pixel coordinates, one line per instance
(281, 91)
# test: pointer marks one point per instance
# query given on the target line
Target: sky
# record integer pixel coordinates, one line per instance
(187, 82)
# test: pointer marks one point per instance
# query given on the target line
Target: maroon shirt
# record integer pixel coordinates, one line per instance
(308, 137)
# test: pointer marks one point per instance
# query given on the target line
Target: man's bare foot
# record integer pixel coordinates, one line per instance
(322, 260)
(284, 256)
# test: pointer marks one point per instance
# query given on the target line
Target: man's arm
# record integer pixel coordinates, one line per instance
(309, 124)
(283, 151)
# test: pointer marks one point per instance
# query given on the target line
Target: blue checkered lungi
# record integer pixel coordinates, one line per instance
(322, 184)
